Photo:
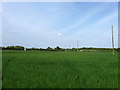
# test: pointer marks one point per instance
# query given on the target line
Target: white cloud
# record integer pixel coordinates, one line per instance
(59, 34)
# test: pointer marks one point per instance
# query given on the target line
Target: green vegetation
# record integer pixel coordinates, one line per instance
(57, 48)
(13, 48)
(0, 69)
(43, 69)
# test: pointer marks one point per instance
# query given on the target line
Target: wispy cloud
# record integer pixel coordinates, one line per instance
(59, 34)
(84, 19)
(56, 23)
(96, 25)
(107, 18)
(13, 32)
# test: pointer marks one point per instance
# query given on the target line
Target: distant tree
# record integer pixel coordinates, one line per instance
(10, 47)
(33, 48)
(74, 49)
(18, 48)
(13, 48)
(41, 49)
(49, 49)
(57, 48)
(3, 48)
(83, 48)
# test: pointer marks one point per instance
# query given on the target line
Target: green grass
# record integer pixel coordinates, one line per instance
(0, 69)
(42, 69)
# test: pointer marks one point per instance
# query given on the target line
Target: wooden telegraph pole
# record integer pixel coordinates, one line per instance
(112, 40)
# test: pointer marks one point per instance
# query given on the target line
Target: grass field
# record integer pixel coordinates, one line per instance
(42, 69)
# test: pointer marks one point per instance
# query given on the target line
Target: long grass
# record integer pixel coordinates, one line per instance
(42, 69)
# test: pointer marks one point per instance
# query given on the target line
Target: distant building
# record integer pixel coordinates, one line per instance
(81, 50)
(24, 49)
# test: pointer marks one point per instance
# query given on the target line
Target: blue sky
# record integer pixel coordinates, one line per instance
(43, 24)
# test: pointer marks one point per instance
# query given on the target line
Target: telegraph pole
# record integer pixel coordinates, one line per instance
(112, 40)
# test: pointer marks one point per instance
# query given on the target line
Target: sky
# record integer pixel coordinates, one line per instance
(43, 24)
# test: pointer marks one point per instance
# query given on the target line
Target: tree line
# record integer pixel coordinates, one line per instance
(23, 48)
(57, 48)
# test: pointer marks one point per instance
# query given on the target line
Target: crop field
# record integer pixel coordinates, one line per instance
(58, 69)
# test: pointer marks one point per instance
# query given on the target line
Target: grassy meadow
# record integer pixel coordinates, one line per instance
(46, 69)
